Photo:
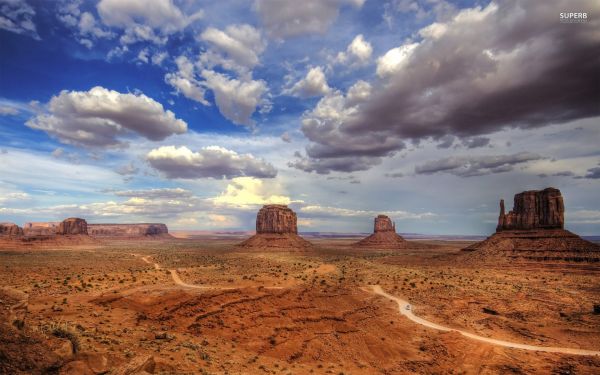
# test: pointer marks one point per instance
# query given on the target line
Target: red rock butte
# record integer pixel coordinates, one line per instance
(146, 230)
(384, 236)
(276, 228)
(534, 230)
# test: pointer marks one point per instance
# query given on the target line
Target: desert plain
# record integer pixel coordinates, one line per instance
(203, 305)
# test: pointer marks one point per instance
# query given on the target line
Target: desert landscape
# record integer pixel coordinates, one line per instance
(278, 303)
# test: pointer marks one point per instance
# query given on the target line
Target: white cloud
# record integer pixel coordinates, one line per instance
(7, 110)
(237, 48)
(288, 18)
(17, 16)
(159, 57)
(395, 59)
(101, 117)
(244, 192)
(314, 84)
(184, 81)
(357, 53)
(212, 161)
(326, 211)
(237, 99)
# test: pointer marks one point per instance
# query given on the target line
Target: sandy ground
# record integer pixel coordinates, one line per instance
(204, 306)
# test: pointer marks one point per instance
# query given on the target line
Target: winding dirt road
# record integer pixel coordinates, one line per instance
(404, 308)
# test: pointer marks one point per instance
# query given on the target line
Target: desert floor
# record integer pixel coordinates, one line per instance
(203, 306)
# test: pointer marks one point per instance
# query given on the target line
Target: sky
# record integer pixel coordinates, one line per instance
(196, 113)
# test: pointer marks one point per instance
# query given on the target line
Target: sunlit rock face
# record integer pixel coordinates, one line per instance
(10, 230)
(72, 226)
(384, 224)
(127, 230)
(534, 209)
(40, 228)
(384, 236)
(276, 218)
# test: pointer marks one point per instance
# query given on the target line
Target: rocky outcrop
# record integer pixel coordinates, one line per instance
(384, 236)
(276, 218)
(534, 209)
(533, 231)
(40, 228)
(10, 230)
(72, 226)
(276, 229)
(128, 230)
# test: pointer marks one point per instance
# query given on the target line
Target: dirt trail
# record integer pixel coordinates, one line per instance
(404, 308)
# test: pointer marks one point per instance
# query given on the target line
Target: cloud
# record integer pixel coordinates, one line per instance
(237, 48)
(127, 169)
(357, 53)
(332, 148)
(184, 81)
(314, 84)
(244, 192)
(164, 193)
(469, 166)
(17, 16)
(288, 18)
(237, 99)
(326, 211)
(101, 117)
(7, 110)
(145, 21)
(475, 142)
(213, 161)
(286, 137)
(480, 71)
(593, 173)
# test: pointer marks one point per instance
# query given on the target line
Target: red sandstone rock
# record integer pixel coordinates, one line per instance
(534, 209)
(127, 230)
(40, 228)
(10, 230)
(276, 218)
(276, 229)
(384, 236)
(72, 226)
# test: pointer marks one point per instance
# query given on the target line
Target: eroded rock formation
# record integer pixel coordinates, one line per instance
(276, 218)
(534, 209)
(72, 226)
(533, 231)
(40, 228)
(384, 236)
(128, 230)
(10, 230)
(276, 228)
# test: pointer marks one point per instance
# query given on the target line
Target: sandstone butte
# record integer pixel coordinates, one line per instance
(147, 230)
(276, 228)
(534, 230)
(384, 236)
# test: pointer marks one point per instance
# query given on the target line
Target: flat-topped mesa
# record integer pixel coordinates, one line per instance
(534, 209)
(10, 230)
(47, 228)
(128, 230)
(384, 224)
(72, 226)
(276, 218)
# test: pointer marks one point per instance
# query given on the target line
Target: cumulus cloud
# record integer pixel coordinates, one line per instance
(17, 16)
(237, 99)
(469, 166)
(101, 117)
(334, 150)
(184, 81)
(314, 84)
(482, 70)
(237, 48)
(245, 192)
(142, 20)
(357, 53)
(288, 18)
(212, 161)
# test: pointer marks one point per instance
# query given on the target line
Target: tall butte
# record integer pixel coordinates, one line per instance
(384, 236)
(534, 230)
(277, 229)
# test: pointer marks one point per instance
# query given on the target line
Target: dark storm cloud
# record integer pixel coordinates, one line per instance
(341, 164)
(475, 142)
(507, 65)
(593, 173)
(469, 166)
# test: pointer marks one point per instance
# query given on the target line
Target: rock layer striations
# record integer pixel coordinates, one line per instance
(72, 226)
(276, 228)
(534, 231)
(10, 230)
(384, 236)
(128, 230)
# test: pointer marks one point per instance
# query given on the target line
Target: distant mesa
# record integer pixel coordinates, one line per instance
(10, 230)
(40, 228)
(129, 230)
(72, 226)
(534, 230)
(384, 236)
(276, 228)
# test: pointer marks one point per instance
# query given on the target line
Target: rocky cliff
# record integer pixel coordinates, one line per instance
(534, 209)
(40, 228)
(276, 218)
(384, 224)
(72, 226)
(10, 230)
(384, 236)
(127, 230)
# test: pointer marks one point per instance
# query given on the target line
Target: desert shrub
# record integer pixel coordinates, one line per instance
(64, 331)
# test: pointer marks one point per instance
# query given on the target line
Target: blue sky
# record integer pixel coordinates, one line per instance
(196, 113)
